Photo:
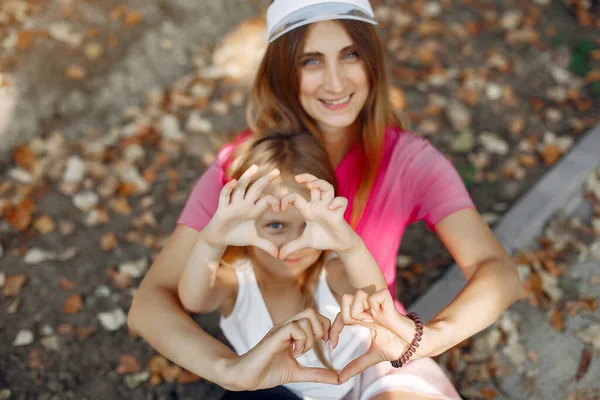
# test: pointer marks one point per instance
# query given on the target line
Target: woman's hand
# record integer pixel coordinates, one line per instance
(233, 222)
(391, 332)
(326, 228)
(272, 362)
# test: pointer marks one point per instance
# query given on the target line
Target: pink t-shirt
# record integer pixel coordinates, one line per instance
(415, 182)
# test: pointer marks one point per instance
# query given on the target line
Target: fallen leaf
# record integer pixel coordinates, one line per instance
(157, 363)
(397, 97)
(120, 205)
(488, 393)
(66, 284)
(13, 285)
(121, 281)
(584, 364)
(128, 364)
(109, 242)
(14, 306)
(65, 330)
(35, 358)
(76, 72)
(20, 217)
(133, 18)
(25, 157)
(44, 224)
(155, 379)
(188, 377)
(551, 154)
(86, 332)
(557, 321)
(112, 41)
(170, 373)
(527, 160)
(73, 304)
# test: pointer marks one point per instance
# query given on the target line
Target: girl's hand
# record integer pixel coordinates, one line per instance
(233, 222)
(391, 332)
(326, 228)
(272, 362)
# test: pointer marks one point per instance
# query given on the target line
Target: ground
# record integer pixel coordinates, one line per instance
(114, 126)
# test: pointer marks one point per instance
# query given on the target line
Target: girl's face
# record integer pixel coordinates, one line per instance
(333, 81)
(281, 228)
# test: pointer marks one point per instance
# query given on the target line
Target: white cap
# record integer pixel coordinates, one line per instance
(286, 15)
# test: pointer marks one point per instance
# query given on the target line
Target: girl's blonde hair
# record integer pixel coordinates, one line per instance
(274, 100)
(293, 153)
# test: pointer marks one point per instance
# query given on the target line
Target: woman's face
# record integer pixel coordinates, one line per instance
(333, 81)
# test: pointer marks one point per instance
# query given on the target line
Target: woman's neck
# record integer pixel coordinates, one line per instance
(338, 142)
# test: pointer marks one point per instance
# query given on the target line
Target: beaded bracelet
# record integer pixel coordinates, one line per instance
(415, 343)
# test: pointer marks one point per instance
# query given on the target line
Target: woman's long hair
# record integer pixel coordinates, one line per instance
(293, 153)
(274, 100)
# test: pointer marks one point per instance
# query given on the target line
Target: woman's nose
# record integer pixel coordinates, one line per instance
(333, 78)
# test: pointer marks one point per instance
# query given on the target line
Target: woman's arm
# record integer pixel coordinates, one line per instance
(158, 316)
(493, 281)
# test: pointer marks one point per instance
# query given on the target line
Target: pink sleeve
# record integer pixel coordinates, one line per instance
(202, 202)
(437, 188)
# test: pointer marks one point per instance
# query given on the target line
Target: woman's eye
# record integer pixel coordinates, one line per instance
(275, 225)
(351, 56)
(309, 61)
(304, 226)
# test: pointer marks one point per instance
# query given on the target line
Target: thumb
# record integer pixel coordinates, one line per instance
(319, 375)
(291, 247)
(359, 365)
(267, 246)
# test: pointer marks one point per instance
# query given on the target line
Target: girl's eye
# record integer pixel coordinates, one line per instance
(351, 56)
(304, 226)
(275, 225)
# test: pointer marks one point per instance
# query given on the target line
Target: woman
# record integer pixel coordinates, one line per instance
(324, 71)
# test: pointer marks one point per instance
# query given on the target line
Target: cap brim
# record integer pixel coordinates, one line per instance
(320, 12)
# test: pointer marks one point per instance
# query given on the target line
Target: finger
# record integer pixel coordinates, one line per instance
(255, 190)
(382, 302)
(359, 365)
(280, 339)
(336, 330)
(385, 313)
(360, 306)
(315, 194)
(240, 191)
(319, 375)
(266, 245)
(338, 203)
(327, 191)
(345, 309)
(225, 196)
(264, 203)
(314, 318)
(295, 200)
(306, 326)
(325, 324)
(292, 246)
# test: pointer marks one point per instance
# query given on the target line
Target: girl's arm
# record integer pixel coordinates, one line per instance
(493, 281)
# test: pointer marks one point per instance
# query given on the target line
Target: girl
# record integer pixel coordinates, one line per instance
(278, 294)
(324, 71)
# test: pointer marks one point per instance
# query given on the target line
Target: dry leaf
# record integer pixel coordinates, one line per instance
(73, 304)
(20, 217)
(557, 320)
(76, 72)
(121, 281)
(120, 205)
(13, 285)
(66, 284)
(25, 157)
(118, 12)
(488, 393)
(551, 154)
(133, 18)
(398, 99)
(170, 373)
(35, 358)
(527, 160)
(112, 41)
(157, 363)
(109, 242)
(65, 330)
(155, 379)
(128, 364)
(188, 377)
(24, 39)
(84, 333)
(44, 224)
(516, 126)
(584, 364)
